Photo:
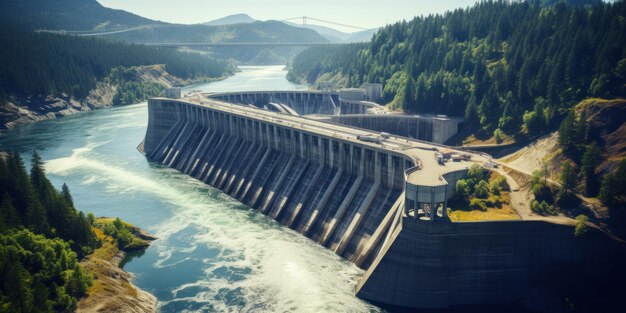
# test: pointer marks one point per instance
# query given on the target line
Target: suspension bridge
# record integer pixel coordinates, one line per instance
(153, 28)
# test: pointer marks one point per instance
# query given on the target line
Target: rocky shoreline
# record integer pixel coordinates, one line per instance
(22, 110)
(112, 289)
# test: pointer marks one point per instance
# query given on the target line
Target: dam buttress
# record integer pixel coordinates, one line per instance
(380, 203)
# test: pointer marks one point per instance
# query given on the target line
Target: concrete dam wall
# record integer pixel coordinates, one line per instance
(380, 205)
(437, 129)
(288, 102)
(333, 191)
(438, 265)
(327, 106)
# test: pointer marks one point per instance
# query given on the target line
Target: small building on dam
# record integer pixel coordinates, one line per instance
(378, 201)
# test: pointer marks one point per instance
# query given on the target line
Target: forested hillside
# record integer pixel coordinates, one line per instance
(68, 15)
(42, 236)
(513, 67)
(34, 64)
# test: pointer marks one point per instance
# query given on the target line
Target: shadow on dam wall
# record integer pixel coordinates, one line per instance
(335, 192)
(349, 196)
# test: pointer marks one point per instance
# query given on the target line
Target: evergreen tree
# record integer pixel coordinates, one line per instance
(36, 218)
(67, 196)
(567, 133)
(409, 96)
(471, 114)
(591, 159)
(19, 186)
(8, 215)
(613, 189)
(568, 177)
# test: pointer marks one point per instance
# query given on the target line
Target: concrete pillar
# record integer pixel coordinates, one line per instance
(276, 137)
(377, 167)
(433, 210)
(350, 156)
(390, 170)
(268, 137)
(362, 161)
(445, 204)
(301, 143)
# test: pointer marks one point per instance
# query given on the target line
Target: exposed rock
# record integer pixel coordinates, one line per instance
(118, 294)
(606, 120)
(20, 110)
(112, 289)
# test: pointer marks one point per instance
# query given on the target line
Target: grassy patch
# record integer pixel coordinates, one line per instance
(483, 137)
(124, 234)
(111, 285)
(496, 205)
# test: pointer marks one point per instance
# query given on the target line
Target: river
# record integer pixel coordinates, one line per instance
(213, 253)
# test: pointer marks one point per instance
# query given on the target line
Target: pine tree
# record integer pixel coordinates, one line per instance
(8, 214)
(471, 114)
(566, 132)
(613, 189)
(568, 177)
(591, 159)
(36, 218)
(65, 192)
(409, 95)
(19, 186)
(4, 176)
(42, 186)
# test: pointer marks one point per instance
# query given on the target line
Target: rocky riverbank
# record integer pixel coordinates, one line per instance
(112, 289)
(25, 109)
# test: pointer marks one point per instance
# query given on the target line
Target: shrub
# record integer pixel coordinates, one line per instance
(494, 201)
(542, 208)
(543, 193)
(498, 135)
(482, 190)
(478, 204)
(581, 227)
(499, 184)
(462, 189)
(475, 174)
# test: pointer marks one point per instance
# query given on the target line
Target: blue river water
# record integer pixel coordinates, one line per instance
(213, 253)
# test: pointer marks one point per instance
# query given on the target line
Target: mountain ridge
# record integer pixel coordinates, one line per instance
(240, 18)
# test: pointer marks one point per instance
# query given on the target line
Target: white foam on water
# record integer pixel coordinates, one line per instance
(279, 269)
(263, 266)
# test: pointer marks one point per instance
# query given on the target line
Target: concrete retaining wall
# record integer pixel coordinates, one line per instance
(437, 265)
(422, 127)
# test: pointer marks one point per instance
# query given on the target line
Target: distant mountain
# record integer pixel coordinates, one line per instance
(68, 15)
(85, 15)
(362, 36)
(231, 19)
(337, 36)
(331, 34)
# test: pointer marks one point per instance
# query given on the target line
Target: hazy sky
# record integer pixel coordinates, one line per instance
(363, 13)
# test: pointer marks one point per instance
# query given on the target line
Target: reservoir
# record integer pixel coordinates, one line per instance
(213, 253)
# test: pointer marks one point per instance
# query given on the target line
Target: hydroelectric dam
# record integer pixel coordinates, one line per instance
(379, 201)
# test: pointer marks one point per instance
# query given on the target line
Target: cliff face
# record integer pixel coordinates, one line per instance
(25, 109)
(606, 122)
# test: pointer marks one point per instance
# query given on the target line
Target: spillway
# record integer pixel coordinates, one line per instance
(381, 205)
(314, 183)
